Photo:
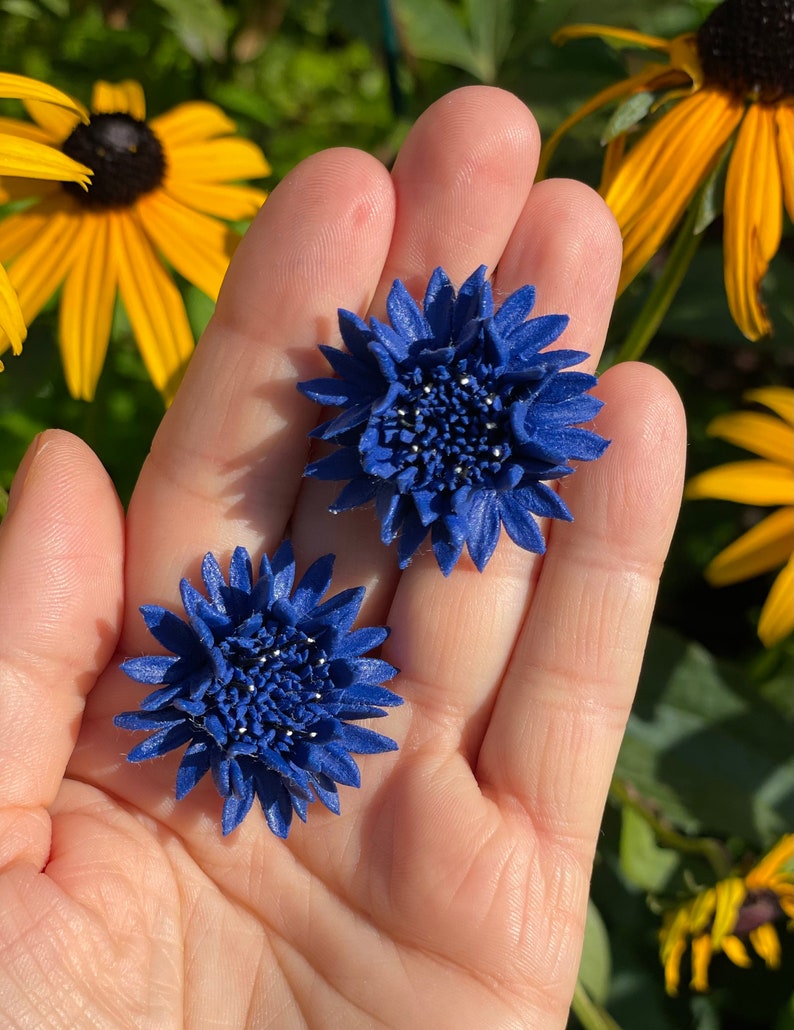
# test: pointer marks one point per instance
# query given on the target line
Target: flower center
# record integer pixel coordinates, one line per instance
(448, 428)
(747, 48)
(758, 907)
(126, 158)
(274, 697)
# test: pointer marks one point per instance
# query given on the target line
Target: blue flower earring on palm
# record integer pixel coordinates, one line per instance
(453, 417)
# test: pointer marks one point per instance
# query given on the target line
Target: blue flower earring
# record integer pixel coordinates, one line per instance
(453, 417)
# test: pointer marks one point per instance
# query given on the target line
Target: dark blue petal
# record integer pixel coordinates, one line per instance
(474, 301)
(240, 571)
(328, 391)
(334, 761)
(483, 527)
(514, 310)
(235, 809)
(160, 698)
(363, 741)
(191, 598)
(164, 740)
(276, 805)
(411, 536)
(520, 525)
(405, 316)
(339, 611)
(543, 501)
(149, 668)
(343, 463)
(355, 493)
(355, 333)
(448, 536)
(327, 793)
(213, 578)
(171, 631)
(530, 337)
(195, 764)
(283, 566)
(439, 304)
(359, 641)
(314, 584)
(343, 423)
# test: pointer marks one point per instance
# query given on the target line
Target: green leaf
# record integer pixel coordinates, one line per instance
(628, 114)
(706, 747)
(491, 26)
(595, 970)
(641, 859)
(433, 31)
(202, 26)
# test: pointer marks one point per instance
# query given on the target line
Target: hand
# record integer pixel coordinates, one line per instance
(451, 891)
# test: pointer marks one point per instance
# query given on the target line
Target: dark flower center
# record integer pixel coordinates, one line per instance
(126, 158)
(447, 428)
(758, 907)
(746, 47)
(274, 698)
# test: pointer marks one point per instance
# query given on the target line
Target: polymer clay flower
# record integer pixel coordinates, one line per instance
(264, 684)
(453, 417)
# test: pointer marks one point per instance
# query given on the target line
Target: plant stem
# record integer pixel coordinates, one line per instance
(664, 289)
(590, 1015)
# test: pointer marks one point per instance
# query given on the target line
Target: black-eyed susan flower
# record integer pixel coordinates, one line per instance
(31, 157)
(737, 911)
(264, 684)
(453, 417)
(727, 89)
(158, 190)
(767, 481)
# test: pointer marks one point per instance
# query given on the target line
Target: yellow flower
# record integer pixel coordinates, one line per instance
(729, 85)
(20, 156)
(724, 918)
(770, 481)
(157, 188)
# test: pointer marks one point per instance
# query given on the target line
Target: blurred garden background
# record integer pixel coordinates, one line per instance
(705, 782)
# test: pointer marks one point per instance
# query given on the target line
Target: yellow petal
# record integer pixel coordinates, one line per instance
(20, 230)
(25, 130)
(613, 158)
(736, 952)
(755, 431)
(20, 87)
(765, 871)
(777, 615)
(125, 97)
(38, 271)
(730, 894)
(702, 910)
(232, 202)
(13, 188)
(662, 172)
(747, 482)
(753, 218)
(86, 309)
(153, 304)
(672, 966)
(779, 399)
(57, 122)
(21, 157)
(198, 247)
(701, 957)
(12, 323)
(216, 160)
(610, 34)
(192, 122)
(784, 120)
(766, 546)
(766, 942)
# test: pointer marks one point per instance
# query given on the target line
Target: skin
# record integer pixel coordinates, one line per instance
(452, 890)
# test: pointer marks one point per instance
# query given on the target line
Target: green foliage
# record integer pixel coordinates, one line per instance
(706, 774)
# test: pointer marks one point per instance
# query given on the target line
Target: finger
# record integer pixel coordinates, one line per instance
(559, 718)
(461, 180)
(61, 561)
(227, 462)
(567, 244)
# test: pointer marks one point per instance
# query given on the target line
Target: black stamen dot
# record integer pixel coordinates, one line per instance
(746, 47)
(126, 158)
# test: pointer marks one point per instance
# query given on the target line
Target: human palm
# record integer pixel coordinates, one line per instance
(451, 891)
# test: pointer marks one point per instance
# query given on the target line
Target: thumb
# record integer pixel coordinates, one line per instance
(61, 565)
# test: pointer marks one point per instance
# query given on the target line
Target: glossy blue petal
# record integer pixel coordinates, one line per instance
(266, 691)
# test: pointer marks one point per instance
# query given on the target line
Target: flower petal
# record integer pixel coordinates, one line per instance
(217, 160)
(198, 247)
(661, 173)
(153, 303)
(86, 309)
(12, 322)
(748, 482)
(192, 122)
(231, 202)
(766, 546)
(777, 615)
(779, 399)
(764, 435)
(753, 218)
(125, 97)
(29, 159)
(20, 87)
(784, 121)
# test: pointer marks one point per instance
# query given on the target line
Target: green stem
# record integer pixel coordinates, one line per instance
(664, 289)
(706, 847)
(590, 1015)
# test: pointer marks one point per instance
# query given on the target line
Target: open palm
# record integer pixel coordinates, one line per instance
(451, 891)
